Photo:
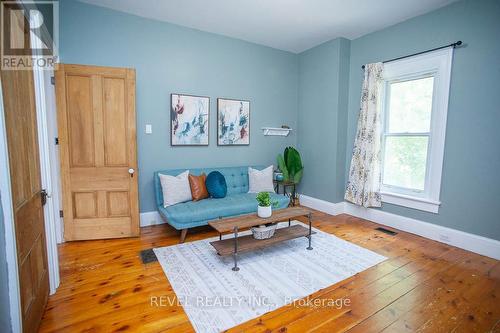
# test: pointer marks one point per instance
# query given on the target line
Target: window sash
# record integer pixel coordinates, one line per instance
(407, 134)
(401, 189)
(386, 133)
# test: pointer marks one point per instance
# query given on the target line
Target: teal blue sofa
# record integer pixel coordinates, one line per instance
(197, 213)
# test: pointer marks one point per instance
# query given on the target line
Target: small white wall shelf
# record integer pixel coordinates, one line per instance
(276, 131)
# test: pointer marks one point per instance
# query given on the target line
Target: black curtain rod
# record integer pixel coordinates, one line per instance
(457, 43)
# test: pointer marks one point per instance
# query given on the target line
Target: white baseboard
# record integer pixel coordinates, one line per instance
(322, 205)
(470, 242)
(150, 218)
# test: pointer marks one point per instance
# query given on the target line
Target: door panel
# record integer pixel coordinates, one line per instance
(81, 123)
(96, 119)
(84, 204)
(22, 141)
(118, 204)
(115, 123)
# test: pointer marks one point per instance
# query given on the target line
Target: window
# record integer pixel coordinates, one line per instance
(414, 108)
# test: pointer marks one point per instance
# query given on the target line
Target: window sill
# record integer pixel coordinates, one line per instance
(411, 202)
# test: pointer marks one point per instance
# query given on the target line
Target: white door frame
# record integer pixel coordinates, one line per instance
(43, 88)
(46, 167)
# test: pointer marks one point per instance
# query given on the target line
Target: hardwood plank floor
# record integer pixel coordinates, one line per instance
(424, 286)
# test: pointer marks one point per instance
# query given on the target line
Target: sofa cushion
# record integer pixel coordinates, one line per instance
(194, 213)
(216, 185)
(260, 180)
(198, 188)
(175, 189)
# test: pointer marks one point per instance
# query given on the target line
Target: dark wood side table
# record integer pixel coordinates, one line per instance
(286, 185)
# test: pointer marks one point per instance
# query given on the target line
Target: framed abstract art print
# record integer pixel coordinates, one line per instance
(233, 122)
(189, 120)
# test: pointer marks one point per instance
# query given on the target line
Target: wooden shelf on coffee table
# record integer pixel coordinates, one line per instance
(252, 220)
(247, 243)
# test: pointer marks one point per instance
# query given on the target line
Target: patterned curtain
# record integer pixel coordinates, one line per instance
(363, 186)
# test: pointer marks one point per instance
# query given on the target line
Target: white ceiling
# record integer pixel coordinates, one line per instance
(291, 25)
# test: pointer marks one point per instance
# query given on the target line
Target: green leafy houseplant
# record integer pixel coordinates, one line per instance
(264, 200)
(265, 208)
(290, 165)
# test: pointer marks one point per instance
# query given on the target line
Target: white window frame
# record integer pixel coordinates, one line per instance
(438, 65)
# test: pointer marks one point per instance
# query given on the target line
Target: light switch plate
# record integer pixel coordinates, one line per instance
(149, 128)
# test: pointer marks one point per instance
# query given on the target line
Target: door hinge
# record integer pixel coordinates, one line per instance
(57, 141)
(52, 80)
(61, 214)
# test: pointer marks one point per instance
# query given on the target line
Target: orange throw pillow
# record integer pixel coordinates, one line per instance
(198, 187)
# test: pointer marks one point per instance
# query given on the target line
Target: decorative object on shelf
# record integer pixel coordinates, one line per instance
(264, 231)
(276, 131)
(233, 122)
(189, 120)
(278, 175)
(264, 209)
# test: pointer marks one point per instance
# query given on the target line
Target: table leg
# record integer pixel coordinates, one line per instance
(220, 234)
(235, 253)
(310, 231)
(289, 222)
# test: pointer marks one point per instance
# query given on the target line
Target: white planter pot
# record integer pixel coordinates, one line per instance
(264, 212)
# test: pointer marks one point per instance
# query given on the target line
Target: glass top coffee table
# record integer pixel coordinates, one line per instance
(238, 244)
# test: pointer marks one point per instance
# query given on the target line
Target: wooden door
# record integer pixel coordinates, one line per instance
(97, 137)
(24, 162)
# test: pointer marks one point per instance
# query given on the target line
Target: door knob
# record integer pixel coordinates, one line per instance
(131, 172)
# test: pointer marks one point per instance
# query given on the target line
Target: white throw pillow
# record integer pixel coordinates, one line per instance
(260, 180)
(175, 189)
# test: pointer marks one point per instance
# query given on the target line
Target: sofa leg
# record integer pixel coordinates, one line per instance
(183, 235)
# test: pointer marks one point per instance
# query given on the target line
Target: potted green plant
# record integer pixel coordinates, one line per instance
(290, 164)
(264, 209)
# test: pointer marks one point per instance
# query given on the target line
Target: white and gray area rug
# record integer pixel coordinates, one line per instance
(216, 298)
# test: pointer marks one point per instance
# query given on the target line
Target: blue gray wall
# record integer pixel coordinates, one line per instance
(471, 178)
(4, 280)
(173, 59)
(323, 74)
